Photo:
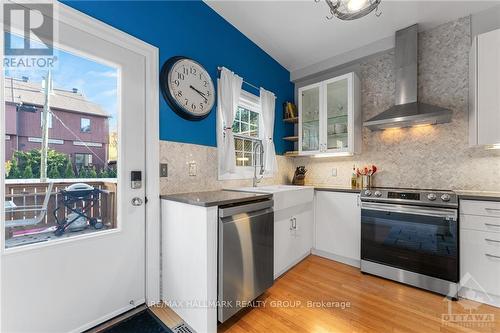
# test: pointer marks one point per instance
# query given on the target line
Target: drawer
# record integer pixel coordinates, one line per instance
(482, 208)
(480, 257)
(480, 223)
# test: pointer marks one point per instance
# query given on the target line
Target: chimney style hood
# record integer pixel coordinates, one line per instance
(407, 111)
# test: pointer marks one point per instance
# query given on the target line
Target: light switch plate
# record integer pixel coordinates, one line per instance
(192, 168)
(334, 172)
(163, 170)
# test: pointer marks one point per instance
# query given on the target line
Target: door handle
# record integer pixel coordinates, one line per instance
(291, 223)
(137, 201)
(294, 223)
(492, 225)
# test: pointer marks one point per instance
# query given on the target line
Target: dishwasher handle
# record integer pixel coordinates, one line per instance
(245, 208)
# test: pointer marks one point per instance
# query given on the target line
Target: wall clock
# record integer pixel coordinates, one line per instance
(187, 87)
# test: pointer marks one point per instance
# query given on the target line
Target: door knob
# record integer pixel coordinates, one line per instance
(137, 201)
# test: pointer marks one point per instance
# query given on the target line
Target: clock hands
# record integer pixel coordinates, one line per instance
(199, 92)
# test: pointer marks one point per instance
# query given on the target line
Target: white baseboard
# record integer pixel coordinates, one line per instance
(291, 265)
(480, 296)
(345, 260)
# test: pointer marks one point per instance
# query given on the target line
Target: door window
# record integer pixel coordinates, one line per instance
(60, 181)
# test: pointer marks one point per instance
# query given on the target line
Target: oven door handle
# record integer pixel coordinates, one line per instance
(448, 214)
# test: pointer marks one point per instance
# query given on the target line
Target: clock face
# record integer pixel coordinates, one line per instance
(187, 87)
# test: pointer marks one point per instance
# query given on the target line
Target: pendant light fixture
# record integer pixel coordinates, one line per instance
(348, 10)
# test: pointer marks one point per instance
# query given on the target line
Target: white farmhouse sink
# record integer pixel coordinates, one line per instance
(284, 196)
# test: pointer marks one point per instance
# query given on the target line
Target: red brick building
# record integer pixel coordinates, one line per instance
(78, 128)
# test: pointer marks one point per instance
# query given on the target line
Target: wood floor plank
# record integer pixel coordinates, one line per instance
(376, 305)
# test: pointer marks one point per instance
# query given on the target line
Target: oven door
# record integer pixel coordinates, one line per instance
(418, 239)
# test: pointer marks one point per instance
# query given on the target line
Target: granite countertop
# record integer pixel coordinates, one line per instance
(327, 188)
(215, 198)
(478, 195)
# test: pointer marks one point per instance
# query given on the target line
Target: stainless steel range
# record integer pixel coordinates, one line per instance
(411, 236)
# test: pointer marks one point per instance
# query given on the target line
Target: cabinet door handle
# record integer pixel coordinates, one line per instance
(492, 256)
(492, 240)
(291, 223)
(493, 209)
(492, 225)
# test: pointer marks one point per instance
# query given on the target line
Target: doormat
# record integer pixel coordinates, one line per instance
(142, 322)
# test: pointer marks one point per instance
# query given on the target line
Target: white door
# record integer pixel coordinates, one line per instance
(87, 275)
(303, 232)
(338, 227)
(284, 251)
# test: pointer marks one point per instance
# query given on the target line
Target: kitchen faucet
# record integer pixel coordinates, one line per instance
(258, 145)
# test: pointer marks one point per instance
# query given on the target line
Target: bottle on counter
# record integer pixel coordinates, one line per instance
(354, 177)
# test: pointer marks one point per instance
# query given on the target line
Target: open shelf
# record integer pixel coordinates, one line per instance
(294, 120)
(292, 153)
(291, 138)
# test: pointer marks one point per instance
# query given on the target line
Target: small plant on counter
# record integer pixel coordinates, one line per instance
(367, 170)
(364, 176)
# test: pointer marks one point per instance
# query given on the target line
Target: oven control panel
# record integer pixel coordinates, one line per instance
(411, 196)
(403, 195)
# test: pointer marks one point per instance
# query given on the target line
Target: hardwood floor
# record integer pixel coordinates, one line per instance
(357, 303)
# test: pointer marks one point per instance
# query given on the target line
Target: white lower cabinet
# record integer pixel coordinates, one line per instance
(338, 226)
(293, 236)
(480, 252)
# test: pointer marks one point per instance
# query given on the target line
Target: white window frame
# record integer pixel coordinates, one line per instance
(90, 125)
(250, 102)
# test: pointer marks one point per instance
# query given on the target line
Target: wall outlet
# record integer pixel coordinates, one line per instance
(192, 168)
(334, 172)
(163, 170)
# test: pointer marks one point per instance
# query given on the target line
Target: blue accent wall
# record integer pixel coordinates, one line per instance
(193, 29)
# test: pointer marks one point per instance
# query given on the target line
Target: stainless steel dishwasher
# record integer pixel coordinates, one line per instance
(246, 247)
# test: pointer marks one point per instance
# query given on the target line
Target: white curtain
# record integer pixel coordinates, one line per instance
(267, 104)
(229, 90)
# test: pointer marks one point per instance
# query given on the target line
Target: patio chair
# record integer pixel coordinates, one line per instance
(40, 211)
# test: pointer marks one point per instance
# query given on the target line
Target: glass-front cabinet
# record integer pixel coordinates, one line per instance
(330, 117)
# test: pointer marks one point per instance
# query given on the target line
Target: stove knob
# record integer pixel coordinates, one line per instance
(445, 197)
(368, 193)
(378, 194)
(431, 196)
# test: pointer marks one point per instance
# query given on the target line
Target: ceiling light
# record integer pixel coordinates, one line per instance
(351, 9)
(355, 5)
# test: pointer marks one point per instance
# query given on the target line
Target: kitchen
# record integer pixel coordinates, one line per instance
(427, 165)
(311, 186)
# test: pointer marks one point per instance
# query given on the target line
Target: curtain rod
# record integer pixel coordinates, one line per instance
(245, 82)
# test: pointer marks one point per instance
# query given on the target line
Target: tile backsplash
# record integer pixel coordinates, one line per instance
(179, 156)
(437, 157)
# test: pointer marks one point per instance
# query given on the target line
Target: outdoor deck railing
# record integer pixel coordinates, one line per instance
(28, 192)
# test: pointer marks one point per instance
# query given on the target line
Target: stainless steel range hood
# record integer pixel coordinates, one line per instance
(408, 111)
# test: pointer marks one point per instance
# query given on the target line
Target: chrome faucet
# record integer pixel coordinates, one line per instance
(257, 146)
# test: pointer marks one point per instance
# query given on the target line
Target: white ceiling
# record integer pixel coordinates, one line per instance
(297, 33)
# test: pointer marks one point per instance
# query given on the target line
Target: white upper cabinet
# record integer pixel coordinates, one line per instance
(484, 113)
(330, 117)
